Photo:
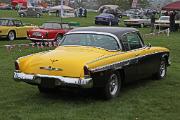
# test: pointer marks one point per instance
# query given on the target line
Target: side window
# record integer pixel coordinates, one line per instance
(134, 41)
(10, 23)
(131, 41)
(125, 43)
(17, 23)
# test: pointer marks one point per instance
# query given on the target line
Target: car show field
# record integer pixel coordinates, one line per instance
(146, 99)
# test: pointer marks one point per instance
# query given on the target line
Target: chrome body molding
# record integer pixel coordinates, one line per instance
(121, 64)
(49, 40)
(51, 68)
(59, 80)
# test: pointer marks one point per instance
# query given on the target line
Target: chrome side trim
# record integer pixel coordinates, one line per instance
(120, 64)
(36, 79)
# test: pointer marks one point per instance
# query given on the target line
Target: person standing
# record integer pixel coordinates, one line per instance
(172, 21)
(153, 19)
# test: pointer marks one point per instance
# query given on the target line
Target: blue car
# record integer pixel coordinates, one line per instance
(106, 19)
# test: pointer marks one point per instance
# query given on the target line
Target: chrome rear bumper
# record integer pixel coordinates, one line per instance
(59, 80)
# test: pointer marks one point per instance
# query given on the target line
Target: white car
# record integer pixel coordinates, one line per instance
(136, 21)
(165, 22)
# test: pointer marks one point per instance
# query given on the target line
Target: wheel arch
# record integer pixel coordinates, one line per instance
(13, 31)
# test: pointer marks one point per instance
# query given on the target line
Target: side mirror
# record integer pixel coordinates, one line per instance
(149, 45)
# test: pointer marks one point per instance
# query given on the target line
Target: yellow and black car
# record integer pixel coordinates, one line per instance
(94, 57)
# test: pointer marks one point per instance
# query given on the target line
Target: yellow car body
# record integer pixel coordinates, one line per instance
(13, 26)
(89, 66)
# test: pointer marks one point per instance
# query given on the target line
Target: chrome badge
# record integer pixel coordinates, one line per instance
(51, 68)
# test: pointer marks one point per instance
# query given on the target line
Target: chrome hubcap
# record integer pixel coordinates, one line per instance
(162, 69)
(11, 36)
(113, 85)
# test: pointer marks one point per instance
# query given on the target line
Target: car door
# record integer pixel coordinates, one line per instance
(146, 59)
(21, 31)
(133, 52)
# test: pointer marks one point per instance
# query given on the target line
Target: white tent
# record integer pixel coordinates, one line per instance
(67, 11)
(65, 8)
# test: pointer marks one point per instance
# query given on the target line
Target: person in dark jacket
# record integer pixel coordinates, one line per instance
(153, 19)
(172, 21)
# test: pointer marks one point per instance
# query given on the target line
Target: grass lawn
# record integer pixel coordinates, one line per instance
(144, 100)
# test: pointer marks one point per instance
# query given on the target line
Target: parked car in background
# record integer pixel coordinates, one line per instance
(94, 57)
(137, 21)
(31, 12)
(106, 19)
(13, 28)
(49, 32)
(164, 22)
(6, 7)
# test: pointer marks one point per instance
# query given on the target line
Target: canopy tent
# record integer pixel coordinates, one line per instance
(172, 6)
(113, 7)
(59, 8)
(21, 2)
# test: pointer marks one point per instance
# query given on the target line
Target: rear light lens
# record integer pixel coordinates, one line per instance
(86, 71)
(16, 66)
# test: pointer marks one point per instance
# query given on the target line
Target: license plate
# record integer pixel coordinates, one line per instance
(38, 34)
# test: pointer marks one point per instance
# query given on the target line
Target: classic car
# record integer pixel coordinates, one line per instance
(94, 57)
(106, 19)
(31, 12)
(49, 31)
(13, 28)
(164, 22)
(137, 21)
(6, 7)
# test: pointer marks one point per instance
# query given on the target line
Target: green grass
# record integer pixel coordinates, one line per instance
(144, 100)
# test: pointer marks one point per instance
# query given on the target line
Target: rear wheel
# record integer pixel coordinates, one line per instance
(113, 86)
(11, 35)
(22, 15)
(141, 25)
(162, 70)
(38, 15)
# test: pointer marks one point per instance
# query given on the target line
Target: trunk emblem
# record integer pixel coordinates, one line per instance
(53, 61)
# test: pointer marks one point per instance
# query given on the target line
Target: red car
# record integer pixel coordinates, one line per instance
(49, 32)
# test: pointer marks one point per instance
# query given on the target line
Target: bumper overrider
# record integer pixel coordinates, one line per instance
(58, 80)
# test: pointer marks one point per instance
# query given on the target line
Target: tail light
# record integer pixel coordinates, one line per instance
(16, 66)
(86, 71)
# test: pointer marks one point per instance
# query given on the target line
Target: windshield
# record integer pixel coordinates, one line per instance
(4, 22)
(164, 18)
(51, 26)
(89, 39)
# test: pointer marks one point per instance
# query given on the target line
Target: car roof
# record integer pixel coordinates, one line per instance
(117, 31)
